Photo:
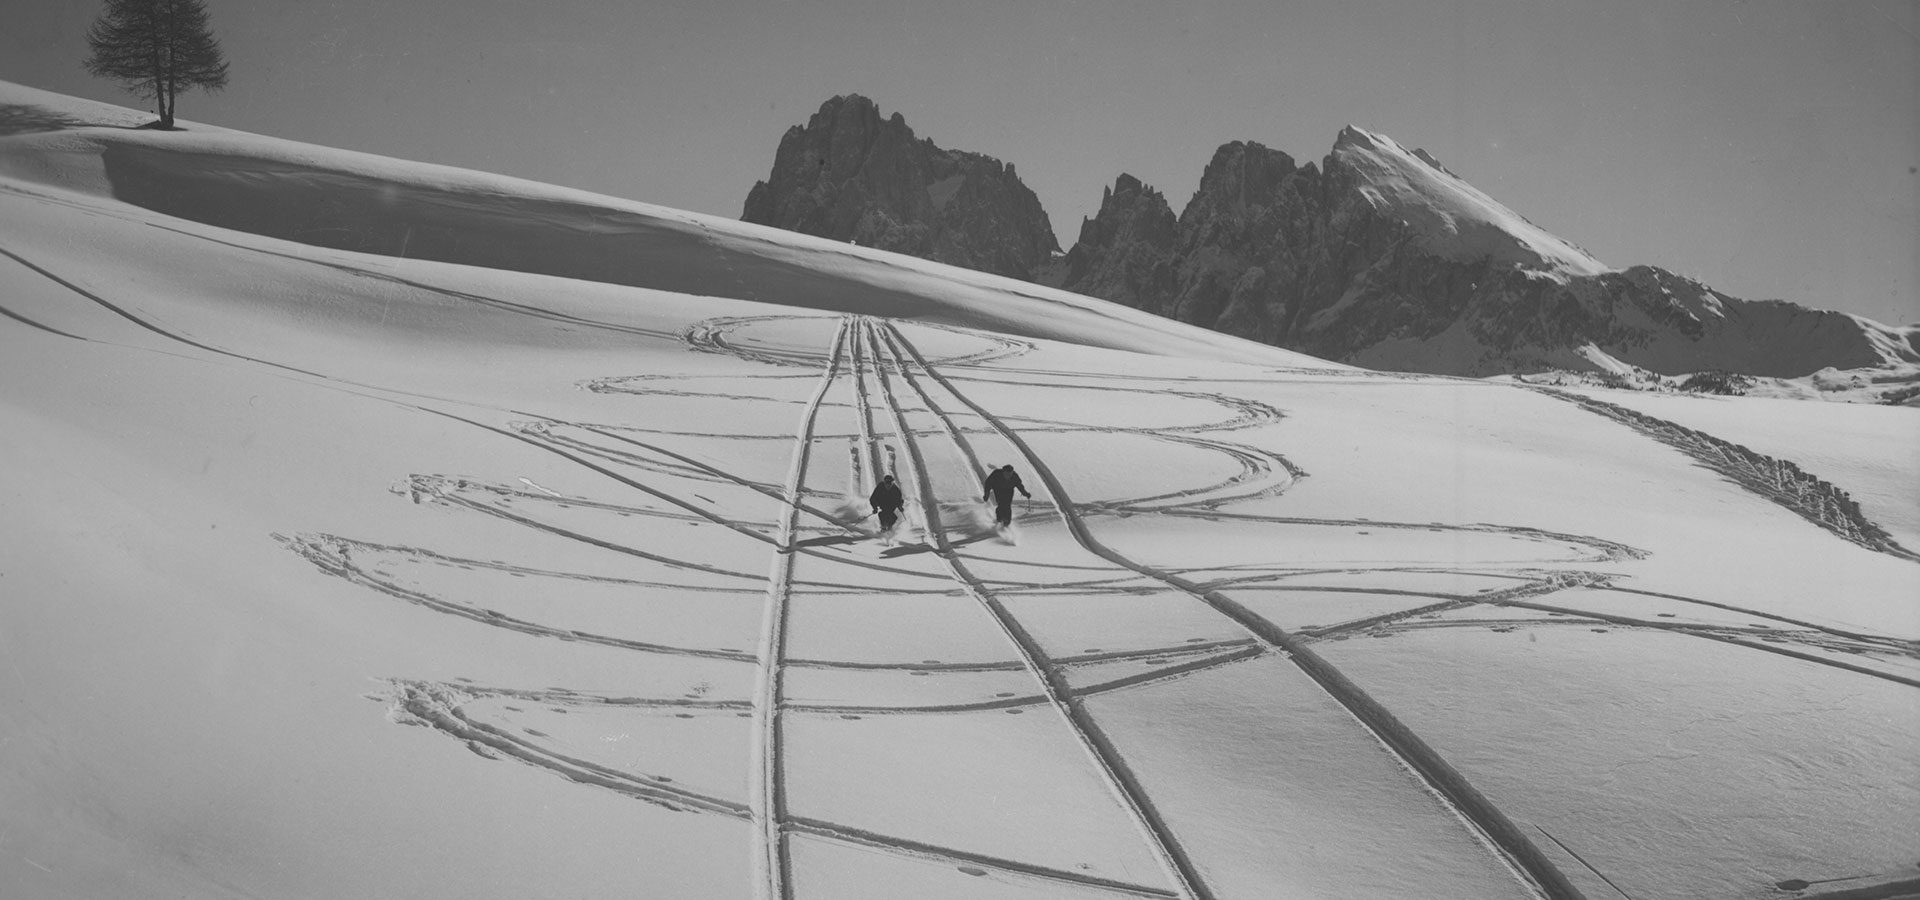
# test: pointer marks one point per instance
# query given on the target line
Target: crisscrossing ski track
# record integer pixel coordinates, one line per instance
(1448, 783)
(1053, 683)
(766, 793)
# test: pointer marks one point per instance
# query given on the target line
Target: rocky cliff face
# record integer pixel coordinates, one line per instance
(851, 175)
(1126, 251)
(1383, 258)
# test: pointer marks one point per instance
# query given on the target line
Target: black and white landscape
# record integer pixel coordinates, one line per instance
(379, 529)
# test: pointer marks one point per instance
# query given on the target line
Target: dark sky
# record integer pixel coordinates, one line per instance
(1768, 148)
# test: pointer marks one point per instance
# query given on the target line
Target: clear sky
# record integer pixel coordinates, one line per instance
(1767, 148)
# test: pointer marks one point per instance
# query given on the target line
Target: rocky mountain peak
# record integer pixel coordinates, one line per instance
(1354, 138)
(1128, 204)
(852, 175)
(1243, 172)
(1352, 135)
(846, 105)
(1132, 238)
(854, 117)
(1124, 185)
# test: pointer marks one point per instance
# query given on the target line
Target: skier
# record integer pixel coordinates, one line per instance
(886, 501)
(1000, 486)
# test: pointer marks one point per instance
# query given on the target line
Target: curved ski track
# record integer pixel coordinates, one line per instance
(805, 518)
(869, 358)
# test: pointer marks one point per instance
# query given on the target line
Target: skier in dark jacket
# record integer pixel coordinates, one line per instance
(1000, 486)
(886, 501)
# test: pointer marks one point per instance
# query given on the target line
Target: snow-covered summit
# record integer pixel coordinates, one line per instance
(1452, 218)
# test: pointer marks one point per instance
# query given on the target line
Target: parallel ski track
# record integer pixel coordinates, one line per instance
(1736, 637)
(766, 789)
(867, 456)
(440, 706)
(1194, 662)
(120, 311)
(1603, 550)
(1893, 643)
(1148, 676)
(722, 475)
(845, 835)
(695, 510)
(1467, 801)
(1778, 481)
(335, 556)
(1059, 692)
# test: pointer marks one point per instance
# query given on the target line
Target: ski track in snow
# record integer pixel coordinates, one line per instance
(1113, 767)
(1779, 481)
(809, 527)
(805, 520)
(766, 791)
(868, 374)
(1466, 802)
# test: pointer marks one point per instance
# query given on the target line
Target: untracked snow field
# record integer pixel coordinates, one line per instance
(327, 571)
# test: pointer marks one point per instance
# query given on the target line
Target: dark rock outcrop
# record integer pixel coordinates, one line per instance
(850, 174)
(1125, 252)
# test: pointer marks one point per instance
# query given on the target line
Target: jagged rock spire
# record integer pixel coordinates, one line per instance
(850, 174)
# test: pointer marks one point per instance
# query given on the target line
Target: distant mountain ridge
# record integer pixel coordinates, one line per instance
(1383, 258)
(1377, 256)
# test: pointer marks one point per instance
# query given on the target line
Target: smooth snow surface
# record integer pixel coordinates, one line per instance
(328, 573)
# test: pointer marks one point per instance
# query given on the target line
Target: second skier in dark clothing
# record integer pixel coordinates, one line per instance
(1000, 485)
(887, 502)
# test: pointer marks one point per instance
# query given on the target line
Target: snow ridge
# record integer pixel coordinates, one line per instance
(1453, 219)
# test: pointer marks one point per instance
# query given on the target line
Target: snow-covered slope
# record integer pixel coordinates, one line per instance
(326, 573)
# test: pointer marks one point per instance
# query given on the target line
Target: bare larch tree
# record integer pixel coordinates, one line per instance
(157, 49)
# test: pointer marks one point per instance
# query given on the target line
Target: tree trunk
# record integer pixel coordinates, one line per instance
(172, 63)
(163, 63)
(159, 92)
